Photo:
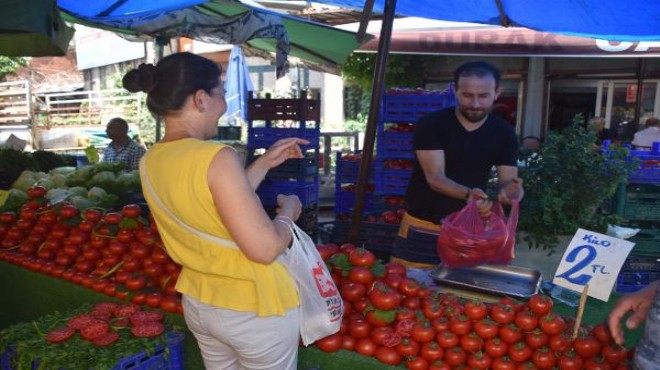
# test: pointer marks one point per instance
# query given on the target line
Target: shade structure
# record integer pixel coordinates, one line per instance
(237, 87)
(33, 28)
(219, 22)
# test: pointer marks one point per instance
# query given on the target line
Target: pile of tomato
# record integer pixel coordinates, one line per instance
(118, 253)
(399, 321)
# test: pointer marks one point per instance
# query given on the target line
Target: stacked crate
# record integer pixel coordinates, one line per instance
(638, 203)
(391, 169)
(269, 120)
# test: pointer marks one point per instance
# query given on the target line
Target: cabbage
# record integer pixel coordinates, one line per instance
(81, 203)
(104, 179)
(62, 171)
(57, 195)
(96, 193)
(15, 199)
(59, 180)
(78, 190)
(129, 181)
(25, 181)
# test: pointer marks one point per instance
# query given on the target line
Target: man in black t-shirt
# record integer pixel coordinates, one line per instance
(455, 150)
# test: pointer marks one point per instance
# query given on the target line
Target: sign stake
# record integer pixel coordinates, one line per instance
(583, 302)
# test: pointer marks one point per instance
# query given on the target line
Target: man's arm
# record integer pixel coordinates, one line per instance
(433, 165)
(510, 185)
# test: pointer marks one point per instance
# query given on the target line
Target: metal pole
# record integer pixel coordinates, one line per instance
(370, 132)
(159, 43)
(641, 71)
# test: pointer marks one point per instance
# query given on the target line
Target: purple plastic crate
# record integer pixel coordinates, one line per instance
(392, 182)
(395, 145)
(410, 107)
(307, 190)
(162, 358)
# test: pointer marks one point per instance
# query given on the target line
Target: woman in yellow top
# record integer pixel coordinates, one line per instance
(241, 305)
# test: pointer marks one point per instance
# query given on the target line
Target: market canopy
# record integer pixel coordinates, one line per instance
(603, 19)
(218, 22)
(33, 28)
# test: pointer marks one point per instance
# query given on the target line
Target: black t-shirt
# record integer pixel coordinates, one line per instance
(469, 158)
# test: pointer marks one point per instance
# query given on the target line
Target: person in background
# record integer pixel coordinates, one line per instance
(240, 303)
(122, 148)
(597, 124)
(645, 138)
(455, 150)
(644, 306)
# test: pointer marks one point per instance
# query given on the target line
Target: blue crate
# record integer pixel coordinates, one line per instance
(395, 145)
(162, 358)
(307, 190)
(294, 168)
(410, 107)
(392, 182)
(345, 202)
(632, 281)
(346, 171)
(647, 173)
(377, 237)
(265, 137)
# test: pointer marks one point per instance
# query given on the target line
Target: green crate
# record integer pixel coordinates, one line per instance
(638, 202)
(647, 242)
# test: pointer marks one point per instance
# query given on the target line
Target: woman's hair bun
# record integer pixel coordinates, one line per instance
(143, 78)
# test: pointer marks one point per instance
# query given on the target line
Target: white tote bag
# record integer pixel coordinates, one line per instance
(321, 306)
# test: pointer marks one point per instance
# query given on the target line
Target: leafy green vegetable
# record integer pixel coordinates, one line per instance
(12, 164)
(15, 200)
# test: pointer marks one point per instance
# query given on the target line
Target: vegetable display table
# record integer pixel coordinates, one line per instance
(28, 295)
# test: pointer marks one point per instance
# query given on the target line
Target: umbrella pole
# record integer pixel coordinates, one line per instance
(160, 51)
(370, 133)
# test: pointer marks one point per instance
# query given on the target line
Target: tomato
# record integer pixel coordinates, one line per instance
(361, 275)
(380, 318)
(602, 333)
(446, 339)
(460, 325)
(68, 211)
(112, 218)
(139, 250)
(409, 287)
(479, 360)
(131, 211)
(407, 347)
(475, 309)
(503, 363)
(472, 342)
(586, 347)
(361, 304)
(331, 343)
(486, 329)
(8, 217)
(495, 347)
(526, 321)
(552, 324)
(412, 303)
(92, 215)
(543, 358)
(169, 304)
(432, 311)
(395, 268)
(324, 251)
(502, 314)
(417, 363)
(365, 346)
(117, 248)
(383, 297)
(423, 332)
(393, 280)
(520, 352)
(359, 329)
(159, 255)
(597, 363)
(440, 324)
(352, 291)
(125, 235)
(570, 361)
(614, 353)
(362, 257)
(404, 313)
(347, 248)
(560, 342)
(392, 340)
(388, 356)
(348, 343)
(537, 339)
(540, 304)
(455, 356)
(431, 351)
(136, 283)
(154, 270)
(36, 192)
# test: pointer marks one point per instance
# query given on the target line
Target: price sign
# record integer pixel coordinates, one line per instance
(594, 259)
(4, 194)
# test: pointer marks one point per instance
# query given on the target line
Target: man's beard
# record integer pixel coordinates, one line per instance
(473, 115)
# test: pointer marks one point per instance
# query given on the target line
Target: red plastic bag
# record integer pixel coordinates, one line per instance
(467, 239)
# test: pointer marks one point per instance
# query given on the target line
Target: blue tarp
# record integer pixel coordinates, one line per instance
(623, 20)
(237, 87)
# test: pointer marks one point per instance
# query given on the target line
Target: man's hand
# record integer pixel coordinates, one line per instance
(513, 190)
(483, 203)
(638, 303)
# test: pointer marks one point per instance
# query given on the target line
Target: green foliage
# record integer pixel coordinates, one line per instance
(9, 65)
(12, 164)
(403, 70)
(566, 183)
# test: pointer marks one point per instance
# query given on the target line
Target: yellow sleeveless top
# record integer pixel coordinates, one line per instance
(217, 275)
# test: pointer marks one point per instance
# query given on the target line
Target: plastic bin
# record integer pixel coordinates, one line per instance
(410, 107)
(345, 202)
(307, 190)
(294, 168)
(265, 137)
(162, 358)
(637, 273)
(392, 182)
(377, 237)
(647, 242)
(639, 202)
(347, 171)
(395, 145)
